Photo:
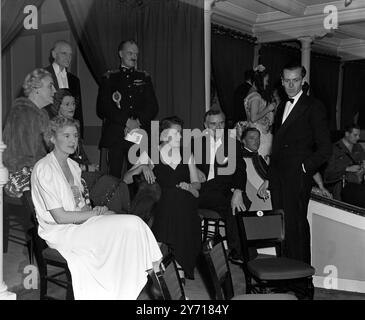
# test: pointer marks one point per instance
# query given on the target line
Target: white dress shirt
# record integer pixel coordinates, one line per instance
(61, 76)
(289, 106)
(214, 145)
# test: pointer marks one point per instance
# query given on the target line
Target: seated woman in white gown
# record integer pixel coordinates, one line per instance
(108, 254)
(260, 113)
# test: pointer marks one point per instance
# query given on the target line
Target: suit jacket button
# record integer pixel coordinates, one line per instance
(285, 145)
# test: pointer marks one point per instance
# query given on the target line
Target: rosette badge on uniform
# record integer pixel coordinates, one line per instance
(116, 98)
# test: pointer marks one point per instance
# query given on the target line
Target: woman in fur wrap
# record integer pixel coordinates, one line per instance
(24, 128)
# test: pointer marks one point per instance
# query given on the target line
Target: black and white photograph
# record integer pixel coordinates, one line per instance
(207, 151)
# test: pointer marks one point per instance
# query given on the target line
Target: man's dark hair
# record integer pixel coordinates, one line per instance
(292, 66)
(249, 129)
(212, 112)
(249, 75)
(121, 45)
(352, 126)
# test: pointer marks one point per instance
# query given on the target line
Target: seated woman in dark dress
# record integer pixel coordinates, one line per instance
(176, 221)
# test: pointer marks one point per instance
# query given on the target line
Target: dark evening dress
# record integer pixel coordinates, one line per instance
(176, 222)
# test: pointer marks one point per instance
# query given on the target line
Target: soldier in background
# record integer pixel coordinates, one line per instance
(126, 101)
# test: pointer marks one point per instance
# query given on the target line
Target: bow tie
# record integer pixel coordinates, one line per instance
(291, 100)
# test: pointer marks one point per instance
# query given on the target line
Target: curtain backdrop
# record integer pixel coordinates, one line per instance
(324, 83)
(353, 93)
(274, 57)
(170, 35)
(12, 17)
(99, 27)
(232, 55)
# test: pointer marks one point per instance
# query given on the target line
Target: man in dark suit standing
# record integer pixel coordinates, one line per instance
(126, 101)
(301, 145)
(225, 188)
(240, 93)
(62, 56)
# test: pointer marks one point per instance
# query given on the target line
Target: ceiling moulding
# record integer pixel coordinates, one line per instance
(232, 23)
(230, 10)
(272, 16)
(352, 31)
(355, 53)
(219, 29)
(346, 14)
(340, 5)
(326, 45)
(289, 33)
(345, 17)
(290, 7)
(309, 25)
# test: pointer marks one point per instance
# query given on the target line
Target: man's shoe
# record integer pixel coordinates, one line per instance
(234, 257)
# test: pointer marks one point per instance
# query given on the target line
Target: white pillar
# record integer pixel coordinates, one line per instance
(4, 293)
(207, 45)
(306, 55)
(256, 55)
(339, 97)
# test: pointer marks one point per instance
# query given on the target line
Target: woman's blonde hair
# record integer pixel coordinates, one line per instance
(57, 123)
(33, 80)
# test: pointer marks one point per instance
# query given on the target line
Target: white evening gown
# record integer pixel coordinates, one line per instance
(108, 256)
(263, 124)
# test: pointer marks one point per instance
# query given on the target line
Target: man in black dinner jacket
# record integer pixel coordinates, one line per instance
(225, 188)
(62, 79)
(301, 145)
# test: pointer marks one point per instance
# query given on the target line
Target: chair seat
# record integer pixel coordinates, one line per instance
(209, 214)
(269, 296)
(53, 255)
(279, 269)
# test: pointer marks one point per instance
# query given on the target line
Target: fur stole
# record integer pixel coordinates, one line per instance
(23, 135)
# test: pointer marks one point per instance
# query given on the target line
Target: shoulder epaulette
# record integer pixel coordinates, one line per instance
(146, 74)
(109, 72)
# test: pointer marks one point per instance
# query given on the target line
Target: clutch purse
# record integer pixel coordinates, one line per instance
(19, 181)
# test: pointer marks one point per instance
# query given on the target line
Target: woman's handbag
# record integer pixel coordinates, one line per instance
(19, 181)
(111, 192)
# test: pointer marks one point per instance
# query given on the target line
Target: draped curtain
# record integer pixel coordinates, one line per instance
(324, 83)
(99, 27)
(274, 57)
(170, 34)
(12, 17)
(353, 93)
(232, 55)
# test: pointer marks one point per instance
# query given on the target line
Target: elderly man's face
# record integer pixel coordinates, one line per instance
(252, 141)
(129, 55)
(62, 55)
(215, 122)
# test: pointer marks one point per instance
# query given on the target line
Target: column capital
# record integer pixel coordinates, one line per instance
(306, 40)
(209, 4)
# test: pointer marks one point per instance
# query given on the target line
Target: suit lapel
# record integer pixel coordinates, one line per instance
(298, 109)
(55, 81)
(279, 117)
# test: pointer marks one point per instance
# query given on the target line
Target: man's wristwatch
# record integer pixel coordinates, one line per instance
(234, 189)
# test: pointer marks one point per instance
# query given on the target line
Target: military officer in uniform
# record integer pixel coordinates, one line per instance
(126, 100)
